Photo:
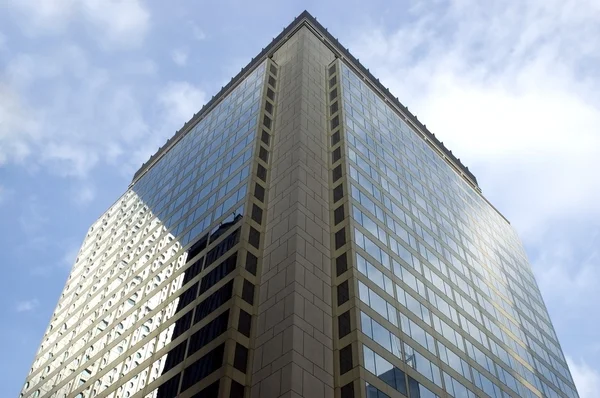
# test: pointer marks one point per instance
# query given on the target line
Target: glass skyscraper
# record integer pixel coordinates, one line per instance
(303, 235)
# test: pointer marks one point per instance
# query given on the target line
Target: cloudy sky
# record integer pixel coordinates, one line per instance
(89, 89)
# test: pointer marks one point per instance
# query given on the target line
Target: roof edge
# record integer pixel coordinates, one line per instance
(268, 51)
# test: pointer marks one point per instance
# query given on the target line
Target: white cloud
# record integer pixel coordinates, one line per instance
(181, 100)
(115, 23)
(83, 194)
(180, 56)
(587, 379)
(198, 33)
(27, 305)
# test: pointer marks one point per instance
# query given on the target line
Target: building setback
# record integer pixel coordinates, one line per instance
(303, 235)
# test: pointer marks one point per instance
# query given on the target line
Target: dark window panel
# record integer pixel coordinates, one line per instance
(333, 108)
(332, 81)
(344, 324)
(338, 215)
(169, 388)
(338, 192)
(254, 237)
(346, 359)
(197, 247)
(331, 70)
(182, 324)
(187, 297)
(336, 155)
(333, 94)
(193, 270)
(335, 122)
(218, 273)
(273, 69)
(209, 392)
(251, 263)
(223, 247)
(213, 301)
(272, 81)
(237, 390)
(175, 357)
(343, 293)
(240, 359)
(335, 138)
(208, 333)
(248, 292)
(263, 154)
(244, 323)
(340, 238)
(259, 192)
(271, 94)
(347, 391)
(267, 121)
(261, 172)
(269, 107)
(257, 213)
(202, 367)
(265, 137)
(337, 173)
(341, 264)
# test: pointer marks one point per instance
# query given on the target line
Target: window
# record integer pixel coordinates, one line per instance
(332, 81)
(341, 264)
(208, 333)
(335, 122)
(347, 391)
(337, 173)
(333, 94)
(335, 138)
(259, 192)
(248, 292)
(261, 172)
(213, 301)
(272, 81)
(336, 155)
(263, 154)
(340, 238)
(202, 367)
(331, 70)
(251, 263)
(273, 70)
(254, 237)
(346, 359)
(343, 293)
(270, 93)
(265, 137)
(192, 271)
(169, 388)
(338, 193)
(210, 391)
(344, 324)
(182, 324)
(338, 215)
(175, 357)
(257, 213)
(198, 246)
(237, 390)
(240, 360)
(267, 121)
(269, 107)
(244, 323)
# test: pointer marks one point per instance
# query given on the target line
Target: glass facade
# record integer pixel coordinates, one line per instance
(443, 280)
(126, 298)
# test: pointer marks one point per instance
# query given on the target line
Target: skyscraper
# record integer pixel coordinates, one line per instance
(303, 235)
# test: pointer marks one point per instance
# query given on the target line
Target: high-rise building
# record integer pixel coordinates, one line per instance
(303, 235)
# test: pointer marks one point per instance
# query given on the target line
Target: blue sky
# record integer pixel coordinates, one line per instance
(89, 89)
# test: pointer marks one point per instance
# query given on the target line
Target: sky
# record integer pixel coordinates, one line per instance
(89, 89)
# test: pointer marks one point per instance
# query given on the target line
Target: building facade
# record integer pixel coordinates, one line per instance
(303, 235)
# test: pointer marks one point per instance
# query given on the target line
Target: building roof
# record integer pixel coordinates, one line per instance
(306, 19)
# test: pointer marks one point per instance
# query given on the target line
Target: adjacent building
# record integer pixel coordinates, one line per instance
(303, 235)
